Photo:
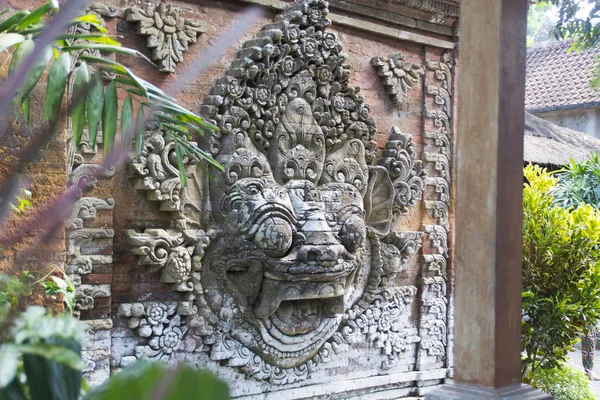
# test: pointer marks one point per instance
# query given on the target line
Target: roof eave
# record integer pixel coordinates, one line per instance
(591, 104)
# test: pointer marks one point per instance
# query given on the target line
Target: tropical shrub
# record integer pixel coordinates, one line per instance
(579, 182)
(561, 273)
(563, 382)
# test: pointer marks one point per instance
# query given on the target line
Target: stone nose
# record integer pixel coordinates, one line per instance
(320, 253)
(318, 241)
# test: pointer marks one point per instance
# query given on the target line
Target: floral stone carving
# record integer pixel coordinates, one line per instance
(288, 268)
(169, 34)
(397, 75)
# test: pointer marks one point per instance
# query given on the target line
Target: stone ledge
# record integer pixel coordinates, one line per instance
(357, 388)
(472, 392)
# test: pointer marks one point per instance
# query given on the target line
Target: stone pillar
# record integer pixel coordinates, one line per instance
(489, 203)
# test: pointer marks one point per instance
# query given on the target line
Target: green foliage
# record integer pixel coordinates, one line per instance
(23, 202)
(579, 183)
(12, 289)
(41, 357)
(145, 380)
(539, 23)
(90, 104)
(15, 288)
(578, 20)
(563, 383)
(55, 286)
(561, 273)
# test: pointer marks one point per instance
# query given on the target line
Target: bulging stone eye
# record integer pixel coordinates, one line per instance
(353, 233)
(274, 236)
(253, 189)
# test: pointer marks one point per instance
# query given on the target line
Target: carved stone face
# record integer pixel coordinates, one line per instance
(293, 260)
(294, 254)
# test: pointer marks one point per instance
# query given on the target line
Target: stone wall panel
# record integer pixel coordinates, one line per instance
(365, 192)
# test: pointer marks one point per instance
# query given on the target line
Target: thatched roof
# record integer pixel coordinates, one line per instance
(549, 144)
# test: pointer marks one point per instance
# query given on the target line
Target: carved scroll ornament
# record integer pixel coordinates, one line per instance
(289, 271)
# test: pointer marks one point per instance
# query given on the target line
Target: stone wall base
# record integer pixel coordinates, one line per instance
(472, 392)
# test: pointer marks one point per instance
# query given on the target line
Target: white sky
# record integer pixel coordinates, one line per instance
(585, 9)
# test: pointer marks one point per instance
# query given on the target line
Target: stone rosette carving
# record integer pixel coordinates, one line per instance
(281, 261)
(397, 75)
(168, 33)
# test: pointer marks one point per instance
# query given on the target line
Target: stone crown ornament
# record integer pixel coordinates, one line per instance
(280, 259)
(168, 33)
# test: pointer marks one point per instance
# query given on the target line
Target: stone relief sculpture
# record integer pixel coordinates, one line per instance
(397, 75)
(283, 260)
(168, 34)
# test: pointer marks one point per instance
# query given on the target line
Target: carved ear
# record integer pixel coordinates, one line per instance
(195, 199)
(379, 199)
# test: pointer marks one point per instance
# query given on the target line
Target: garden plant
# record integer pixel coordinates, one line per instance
(561, 273)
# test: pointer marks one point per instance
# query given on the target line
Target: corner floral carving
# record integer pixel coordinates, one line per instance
(383, 323)
(397, 75)
(168, 34)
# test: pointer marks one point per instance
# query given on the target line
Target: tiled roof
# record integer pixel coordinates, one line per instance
(558, 79)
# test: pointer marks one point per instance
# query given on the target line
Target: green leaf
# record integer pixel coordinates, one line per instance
(9, 360)
(80, 88)
(180, 166)
(95, 105)
(36, 15)
(27, 110)
(10, 39)
(144, 379)
(116, 68)
(169, 119)
(49, 373)
(107, 48)
(139, 130)
(54, 352)
(57, 80)
(34, 74)
(20, 53)
(127, 121)
(109, 118)
(200, 153)
(11, 22)
(91, 18)
(14, 391)
(98, 38)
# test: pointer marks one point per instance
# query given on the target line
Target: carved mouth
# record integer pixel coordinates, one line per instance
(298, 329)
(300, 317)
(274, 292)
(323, 271)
